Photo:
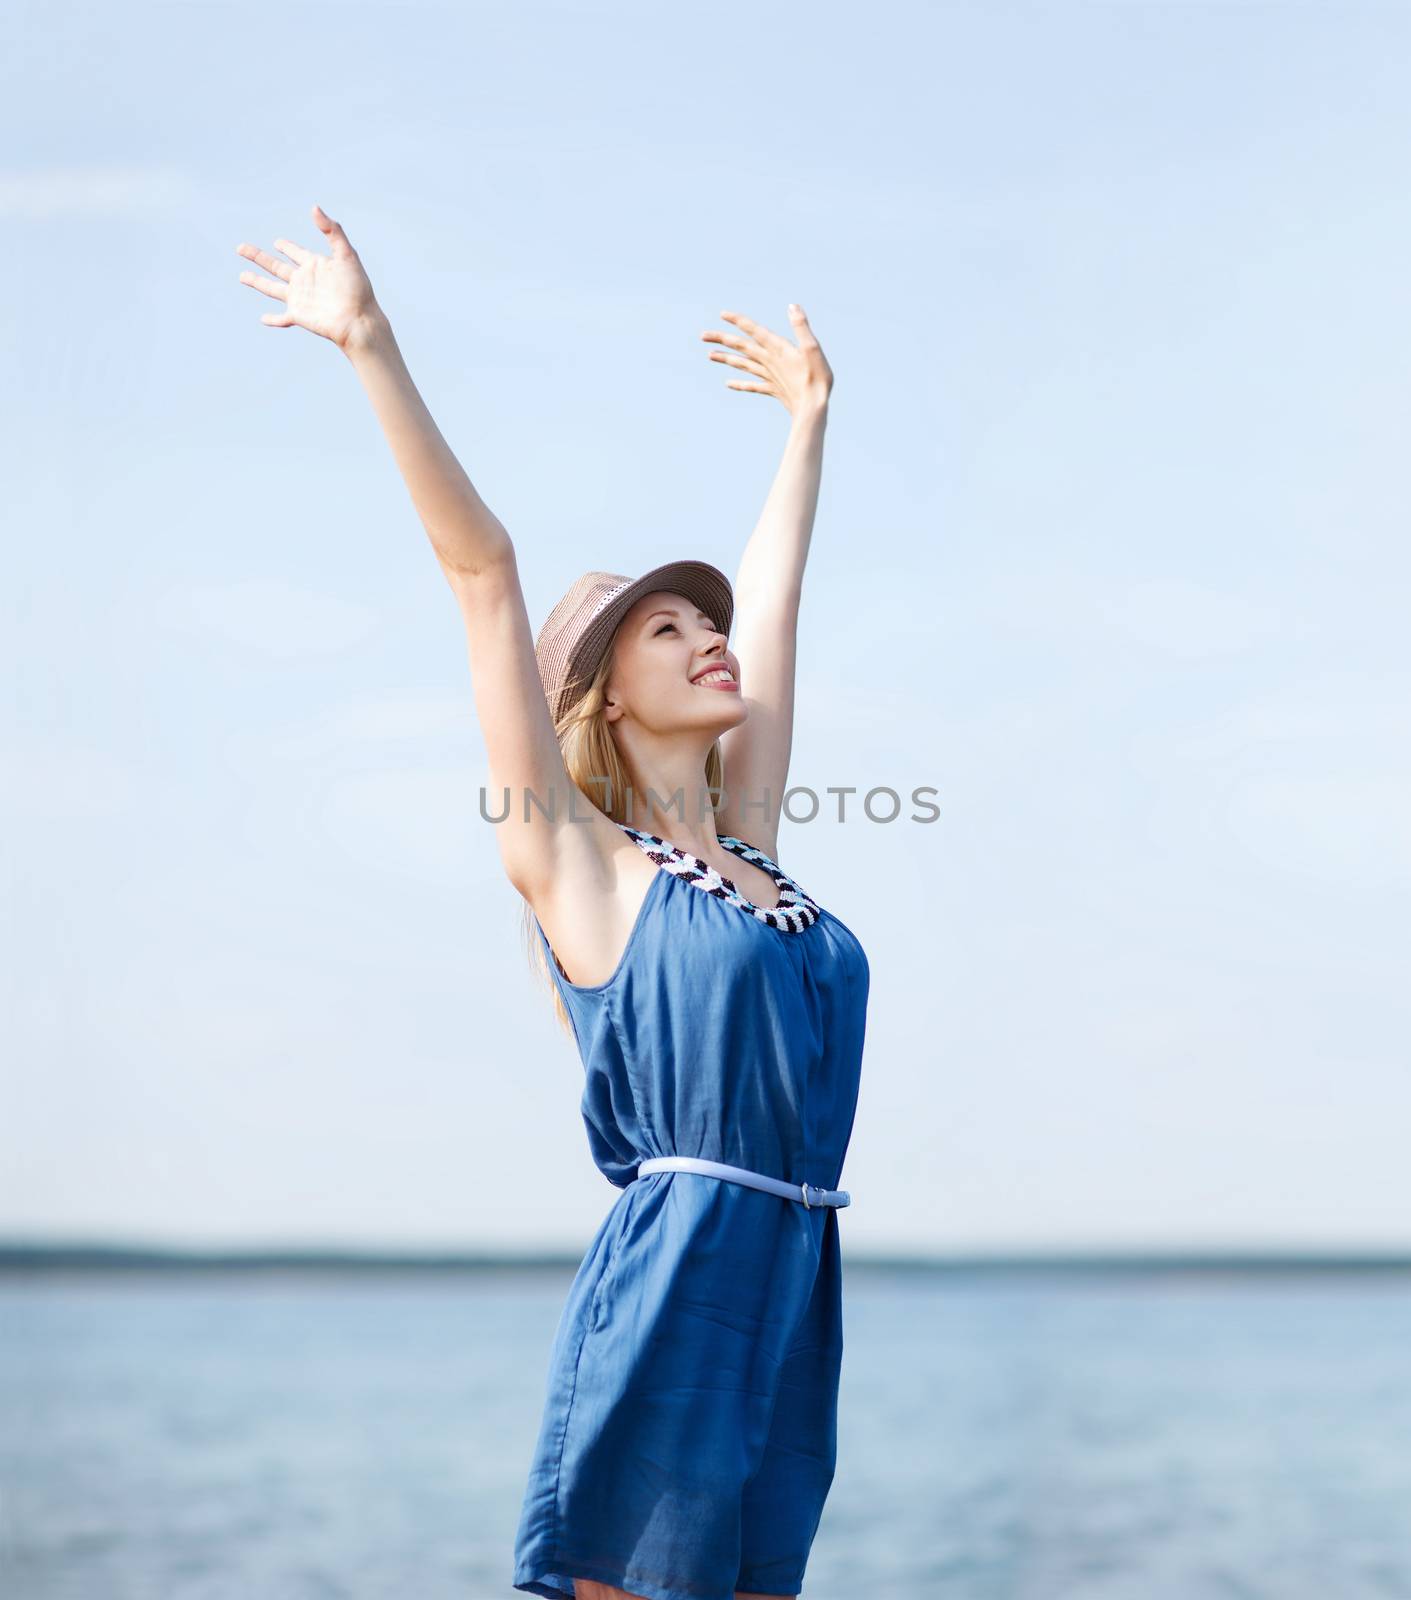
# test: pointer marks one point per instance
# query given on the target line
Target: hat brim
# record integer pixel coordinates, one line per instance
(697, 580)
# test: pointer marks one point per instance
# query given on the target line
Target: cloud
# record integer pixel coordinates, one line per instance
(1338, 827)
(409, 823)
(390, 780)
(1174, 615)
(92, 192)
(1194, 620)
(268, 616)
(1312, 777)
(428, 713)
(1328, 720)
(55, 781)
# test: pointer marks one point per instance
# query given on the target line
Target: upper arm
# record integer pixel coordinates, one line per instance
(756, 752)
(519, 736)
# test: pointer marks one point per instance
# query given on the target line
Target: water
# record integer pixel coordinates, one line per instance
(239, 1436)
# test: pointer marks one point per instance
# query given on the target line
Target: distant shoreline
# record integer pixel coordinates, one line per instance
(18, 1258)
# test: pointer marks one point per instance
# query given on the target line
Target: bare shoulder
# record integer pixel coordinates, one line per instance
(588, 901)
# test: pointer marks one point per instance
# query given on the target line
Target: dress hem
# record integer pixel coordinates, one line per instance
(537, 1576)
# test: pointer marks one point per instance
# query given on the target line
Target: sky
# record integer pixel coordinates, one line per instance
(1110, 553)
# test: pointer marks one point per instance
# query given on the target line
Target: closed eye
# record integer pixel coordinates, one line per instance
(666, 625)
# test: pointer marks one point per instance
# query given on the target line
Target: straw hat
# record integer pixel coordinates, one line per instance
(578, 631)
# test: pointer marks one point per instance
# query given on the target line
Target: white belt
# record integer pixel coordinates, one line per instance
(807, 1192)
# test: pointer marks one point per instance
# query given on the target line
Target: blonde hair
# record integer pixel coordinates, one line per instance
(590, 753)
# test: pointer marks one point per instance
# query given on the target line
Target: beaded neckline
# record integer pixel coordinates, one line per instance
(795, 911)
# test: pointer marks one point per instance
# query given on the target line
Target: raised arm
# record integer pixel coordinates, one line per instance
(330, 295)
(769, 584)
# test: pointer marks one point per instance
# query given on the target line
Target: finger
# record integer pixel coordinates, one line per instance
(275, 319)
(337, 239)
(737, 361)
(270, 286)
(756, 330)
(270, 263)
(295, 252)
(750, 388)
(734, 341)
(799, 318)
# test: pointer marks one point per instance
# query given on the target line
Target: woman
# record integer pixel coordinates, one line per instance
(688, 1438)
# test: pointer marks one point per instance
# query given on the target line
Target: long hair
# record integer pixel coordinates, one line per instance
(590, 753)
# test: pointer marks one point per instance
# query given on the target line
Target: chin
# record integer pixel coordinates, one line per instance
(733, 711)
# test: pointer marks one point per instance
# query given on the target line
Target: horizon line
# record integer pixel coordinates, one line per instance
(31, 1254)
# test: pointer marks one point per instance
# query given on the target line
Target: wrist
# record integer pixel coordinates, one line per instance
(368, 334)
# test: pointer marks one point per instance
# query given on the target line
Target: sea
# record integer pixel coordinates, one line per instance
(1025, 1433)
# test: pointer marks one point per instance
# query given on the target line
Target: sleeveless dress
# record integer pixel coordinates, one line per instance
(689, 1431)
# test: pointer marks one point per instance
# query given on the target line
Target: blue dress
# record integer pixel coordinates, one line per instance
(689, 1432)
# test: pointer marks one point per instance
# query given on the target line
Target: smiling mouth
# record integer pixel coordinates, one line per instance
(718, 676)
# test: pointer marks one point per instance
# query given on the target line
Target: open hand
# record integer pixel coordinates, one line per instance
(329, 295)
(795, 374)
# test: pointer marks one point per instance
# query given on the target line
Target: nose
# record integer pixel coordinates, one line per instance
(714, 652)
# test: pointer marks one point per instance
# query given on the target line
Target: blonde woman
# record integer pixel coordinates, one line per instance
(689, 1431)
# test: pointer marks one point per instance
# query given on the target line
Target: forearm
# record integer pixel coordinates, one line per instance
(774, 559)
(465, 534)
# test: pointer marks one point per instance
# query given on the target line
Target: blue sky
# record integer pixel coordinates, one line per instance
(1111, 550)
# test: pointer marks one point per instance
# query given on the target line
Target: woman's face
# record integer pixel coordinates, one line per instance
(662, 649)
